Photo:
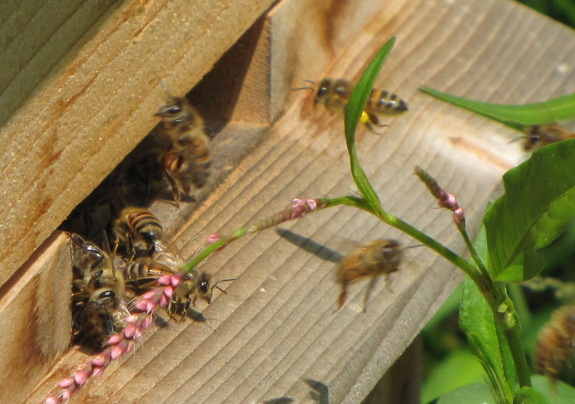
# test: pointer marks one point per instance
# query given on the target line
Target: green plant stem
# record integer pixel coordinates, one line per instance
(283, 216)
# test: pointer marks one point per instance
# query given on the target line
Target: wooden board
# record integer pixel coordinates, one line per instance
(275, 332)
(97, 100)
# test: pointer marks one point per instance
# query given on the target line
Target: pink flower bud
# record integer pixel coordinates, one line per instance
(130, 331)
(165, 280)
(52, 399)
(66, 394)
(115, 339)
(98, 372)
(312, 204)
(297, 202)
(117, 351)
(141, 304)
(150, 295)
(81, 377)
(67, 382)
(164, 300)
(212, 238)
(150, 307)
(148, 322)
(130, 346)
(101, 360)
(168, 291)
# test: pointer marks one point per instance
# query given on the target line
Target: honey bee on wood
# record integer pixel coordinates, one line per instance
(137, 232)
(379, 257)
(99, 292)
(555, 350)
(537, 136)
(334, 95)
(196, 284)
(188, 160)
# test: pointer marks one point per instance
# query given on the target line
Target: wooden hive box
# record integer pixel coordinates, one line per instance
(80, 86)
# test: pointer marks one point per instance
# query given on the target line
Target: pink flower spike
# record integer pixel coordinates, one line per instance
(52, 399)
(164, 301)
(67, 382)
(115, 339)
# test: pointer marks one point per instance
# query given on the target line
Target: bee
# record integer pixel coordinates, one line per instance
(137, 232)
(188, 160)
(195, 284)
(537, 136)
(99, 292)
(334, 95)
(555, 350)
(379, 257)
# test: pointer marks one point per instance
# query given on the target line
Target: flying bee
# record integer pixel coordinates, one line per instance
(537, 136)
(555, 350)
(99, 291)
(188, 160)
(334, 95)
(137, 232)
(379, 257)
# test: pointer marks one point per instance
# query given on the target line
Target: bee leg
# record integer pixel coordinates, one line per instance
(368, 292)
(372, 120)
(342, 297)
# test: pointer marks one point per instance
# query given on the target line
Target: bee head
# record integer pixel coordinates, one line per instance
(172, 109)
(323, 90)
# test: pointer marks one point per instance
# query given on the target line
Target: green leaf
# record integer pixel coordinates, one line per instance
(558, 391)
(354, 110)
(485, 339)
(553, 110)
(477, 393)
(538, 203)
(460, 368)
(486, 342)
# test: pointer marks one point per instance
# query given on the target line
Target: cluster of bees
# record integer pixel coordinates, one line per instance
(107, 278)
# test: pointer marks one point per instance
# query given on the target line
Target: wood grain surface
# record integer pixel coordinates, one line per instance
(275, 337)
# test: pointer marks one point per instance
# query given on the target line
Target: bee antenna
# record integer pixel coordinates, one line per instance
(165, 88)
(516, 139)
(222, 280)
(413, 246)
(302, 88)
(307, 87)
